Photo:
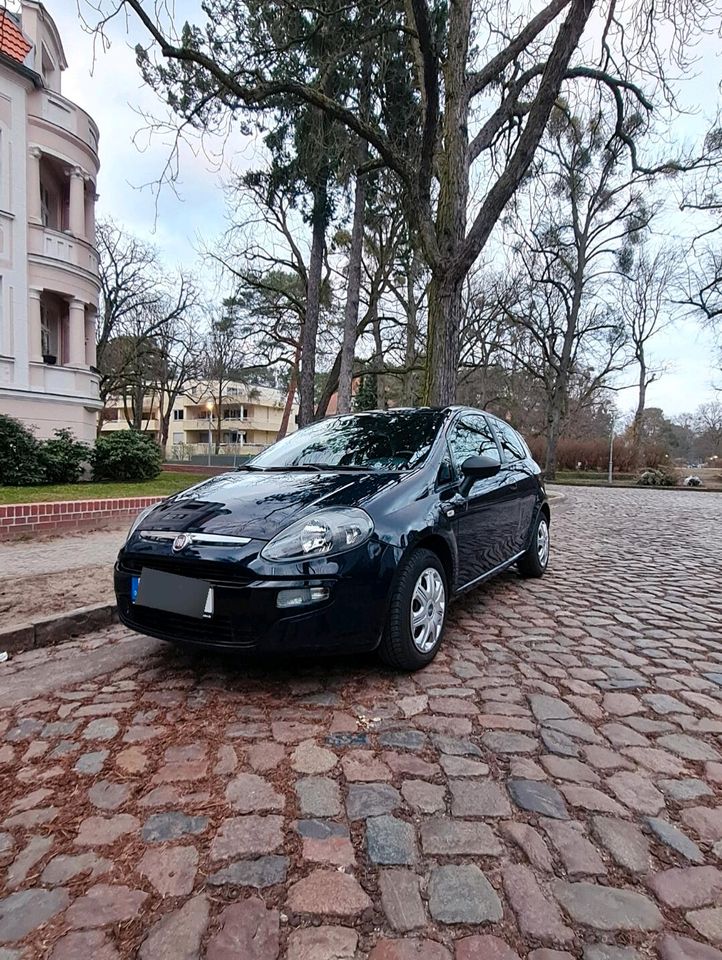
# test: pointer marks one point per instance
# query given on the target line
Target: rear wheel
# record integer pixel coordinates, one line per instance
(417, 613)
(536, 559)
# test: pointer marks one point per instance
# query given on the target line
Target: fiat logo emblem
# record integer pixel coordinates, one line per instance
(181, 542)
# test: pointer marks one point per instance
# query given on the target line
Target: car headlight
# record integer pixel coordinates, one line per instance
(141, 516)
(323, 533)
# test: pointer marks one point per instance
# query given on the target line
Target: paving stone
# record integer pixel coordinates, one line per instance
(363, 766)
(90, 944)
(621, 704)
(249, 793)
(27, 910)
(91, 762)
(576, 729)
(455, 746)
(401, 900)
(261, 872)
(706, 822)
(688, 886)
(103, 904)
(309, 758)
(246, 836)
(171, 870)
(66, 867)
(691, 748)
(657, 761)
(605, 951)
(602, 758)
(607, 908)
(707, 922)
(530, 842)
(424, 797)
(524, 768)
(683, 948)
(687, 789)
(171, 825)
(348, 739)
(462, 894)
(549, 708)
(410, 765)
(249, 930)
(484, 799)
(538, 798)
(104, 728)
(328, 892)
(371, 800)
(664, 704)
(108, 796)
(579, 856)
(178, 935)
(503, 742)
(100, 831)
(404, 739)
(589, 798)
(567, 768)
(409, 950)
(537, 917)
(322, 943)
(294, 731)
(132, 760)
(487, 947)
(636, 792)
(29, 856)
(446, 837)
(265, 755)
(390, 840)
(559, 743)
(544, 953)
(674, 838)
(624, 841)
(318, 797)
(461, 767)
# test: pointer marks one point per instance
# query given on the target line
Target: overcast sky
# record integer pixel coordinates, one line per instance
(107, 84)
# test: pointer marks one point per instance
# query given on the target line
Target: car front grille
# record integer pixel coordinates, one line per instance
(217, 631)
(217, 573)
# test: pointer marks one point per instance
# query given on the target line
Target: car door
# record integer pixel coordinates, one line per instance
(520, 483)
(480, 520)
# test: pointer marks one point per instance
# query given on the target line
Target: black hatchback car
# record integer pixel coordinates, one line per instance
(351, 534)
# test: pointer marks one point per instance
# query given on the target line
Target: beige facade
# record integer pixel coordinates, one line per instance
(49, 286)
(250, 419)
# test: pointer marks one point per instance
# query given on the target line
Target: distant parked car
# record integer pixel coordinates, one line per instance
(348, 535)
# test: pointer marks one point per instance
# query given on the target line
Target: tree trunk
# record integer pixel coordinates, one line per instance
(350, 320)
(442, 359)
(553, 423)
(313, 301)
(638, 421)
(219, 417)
(292, 384)
(412, 332)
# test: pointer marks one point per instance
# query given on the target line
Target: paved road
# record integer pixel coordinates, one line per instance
(32, 558)
(552, 783)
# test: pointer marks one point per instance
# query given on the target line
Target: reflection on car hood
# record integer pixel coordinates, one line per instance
(259, 505)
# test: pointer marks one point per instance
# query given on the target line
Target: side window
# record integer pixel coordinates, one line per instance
(512, 445)
(471, 436)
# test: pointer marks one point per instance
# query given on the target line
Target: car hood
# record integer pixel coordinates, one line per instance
(260, 505)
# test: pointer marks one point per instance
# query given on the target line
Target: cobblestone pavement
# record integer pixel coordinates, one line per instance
(31, 558)
(551, 787)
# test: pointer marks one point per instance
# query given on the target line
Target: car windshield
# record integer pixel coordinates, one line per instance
(368, 441)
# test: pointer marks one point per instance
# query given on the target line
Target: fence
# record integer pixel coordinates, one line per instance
(229, 454)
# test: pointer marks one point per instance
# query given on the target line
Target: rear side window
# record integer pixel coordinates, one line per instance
(512, 445)
(471, 436)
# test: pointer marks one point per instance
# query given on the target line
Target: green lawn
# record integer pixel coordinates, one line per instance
(162, 486)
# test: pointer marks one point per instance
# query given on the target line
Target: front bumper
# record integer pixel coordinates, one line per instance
(246, 616)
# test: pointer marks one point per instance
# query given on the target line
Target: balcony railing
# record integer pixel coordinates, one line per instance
(55, 109)
(57, 245)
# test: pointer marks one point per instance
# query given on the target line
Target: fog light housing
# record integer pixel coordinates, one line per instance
(301, 597)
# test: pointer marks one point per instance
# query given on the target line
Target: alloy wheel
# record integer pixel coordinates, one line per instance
(428, 604)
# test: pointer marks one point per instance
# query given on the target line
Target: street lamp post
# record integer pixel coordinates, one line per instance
(611, 452)
(209, 405)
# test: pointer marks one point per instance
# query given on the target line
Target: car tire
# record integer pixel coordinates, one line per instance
(403, 646)
(536, 559)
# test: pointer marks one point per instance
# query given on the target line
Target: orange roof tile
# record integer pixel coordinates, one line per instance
(12, 42)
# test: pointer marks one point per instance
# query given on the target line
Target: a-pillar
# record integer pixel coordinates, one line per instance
(77, 202)
(35, 326)
(35, 207)
(77, 333)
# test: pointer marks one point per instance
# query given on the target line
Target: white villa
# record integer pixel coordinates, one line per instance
(48, 263)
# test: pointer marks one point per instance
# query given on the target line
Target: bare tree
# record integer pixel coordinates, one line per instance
(179, 345)
(223, 363)
(646, 304)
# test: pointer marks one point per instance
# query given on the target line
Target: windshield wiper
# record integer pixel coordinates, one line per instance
(293, 466)
(247, 466)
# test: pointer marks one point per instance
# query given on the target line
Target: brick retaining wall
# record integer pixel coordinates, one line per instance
(23, 519)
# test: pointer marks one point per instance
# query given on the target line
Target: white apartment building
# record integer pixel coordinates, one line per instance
(49, 285)
(250, 419)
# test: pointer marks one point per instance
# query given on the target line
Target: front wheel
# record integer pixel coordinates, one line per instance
(536, 559)
(417, 613)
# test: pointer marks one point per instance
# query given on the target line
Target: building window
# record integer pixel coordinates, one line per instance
(235, 413)
(178, 414)
(178, 437)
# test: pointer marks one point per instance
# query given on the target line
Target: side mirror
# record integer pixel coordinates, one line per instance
(477, 468)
